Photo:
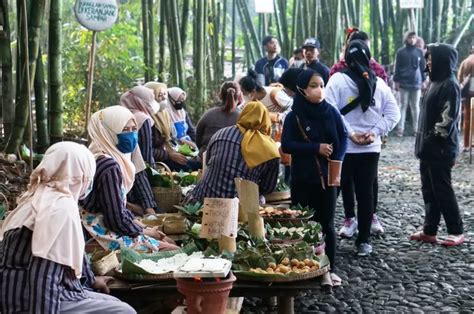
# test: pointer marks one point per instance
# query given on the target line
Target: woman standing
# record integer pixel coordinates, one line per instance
(313, 134)
(42, 244)
(221, 116)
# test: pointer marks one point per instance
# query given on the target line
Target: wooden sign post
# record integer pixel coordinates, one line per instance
(219, 221)
(250, 206)
(97, 16)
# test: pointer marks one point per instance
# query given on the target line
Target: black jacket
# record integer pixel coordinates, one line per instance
(409, 67)
(438, 133)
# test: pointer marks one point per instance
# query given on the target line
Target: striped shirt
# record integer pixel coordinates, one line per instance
(225, 163)
(30, 284)
(108, 198)
(141, 192)
(145, 142)
(159, 146)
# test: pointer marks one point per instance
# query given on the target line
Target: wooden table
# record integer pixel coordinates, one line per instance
(285, 292)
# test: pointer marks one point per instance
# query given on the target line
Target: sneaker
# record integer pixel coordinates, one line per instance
(349, 228)
(364, 249)
(421, 236)
(376, 227)
(453, 240)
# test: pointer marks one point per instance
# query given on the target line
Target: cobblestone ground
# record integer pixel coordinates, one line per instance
(401, 275)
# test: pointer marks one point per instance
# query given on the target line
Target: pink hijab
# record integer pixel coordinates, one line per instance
(140, 100)
(49, 207)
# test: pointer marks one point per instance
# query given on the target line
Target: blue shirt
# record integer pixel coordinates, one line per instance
(270, 71)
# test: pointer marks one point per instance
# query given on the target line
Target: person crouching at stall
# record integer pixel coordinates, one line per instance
(141, 102)
(42, 244)
(243, 151)
(113, 132)
(314, 135)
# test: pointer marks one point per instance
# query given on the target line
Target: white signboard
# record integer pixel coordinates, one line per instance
(411, 4)
(96, 15)
(264, 6)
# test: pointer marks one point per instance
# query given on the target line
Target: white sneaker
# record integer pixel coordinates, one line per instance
(376, 227)
(349, 228)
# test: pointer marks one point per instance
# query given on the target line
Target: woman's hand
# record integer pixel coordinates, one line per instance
(178, 158)
(325, 150)
(100, 283)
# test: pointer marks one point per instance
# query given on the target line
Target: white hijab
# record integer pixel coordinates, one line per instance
(103, 129)
(174, 94)
(49, 207)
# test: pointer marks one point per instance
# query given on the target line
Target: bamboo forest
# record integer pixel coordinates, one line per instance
(192, 44)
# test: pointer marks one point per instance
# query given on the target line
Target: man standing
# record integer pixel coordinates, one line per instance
(465, 77)
(409, 77)
(270, 68)
(437, 144)
(311, 48)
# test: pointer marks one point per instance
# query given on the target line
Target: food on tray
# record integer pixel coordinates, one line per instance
(165, 179)
(294, 266)
(297, 211)
(308, 232)
(166, 265)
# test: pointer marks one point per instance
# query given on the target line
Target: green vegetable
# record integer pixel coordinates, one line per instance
(187, 150)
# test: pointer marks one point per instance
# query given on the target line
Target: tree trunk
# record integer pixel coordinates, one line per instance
(223, 37)
(146, 50)
(151, 39)
(248, 25)
(55, 81)
(174, 36)
(22, 112)
(234, 17)
(184, 24)
(200, 46)
(247, 37)
(161, 41)
(40, 107)
(8, 107)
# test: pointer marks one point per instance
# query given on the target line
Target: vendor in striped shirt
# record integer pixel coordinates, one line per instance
(113, 132)
(243, 151)
(141, 102)
(42, 245)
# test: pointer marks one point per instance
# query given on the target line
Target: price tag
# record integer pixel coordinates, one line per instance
(219, 217)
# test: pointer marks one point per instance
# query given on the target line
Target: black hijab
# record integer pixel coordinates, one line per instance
(357, 58)
(304, 109)
(289, 78)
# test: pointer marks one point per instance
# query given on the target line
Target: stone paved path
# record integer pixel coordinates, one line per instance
(401, 275)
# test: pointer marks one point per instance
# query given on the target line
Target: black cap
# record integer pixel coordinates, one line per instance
(311, 43)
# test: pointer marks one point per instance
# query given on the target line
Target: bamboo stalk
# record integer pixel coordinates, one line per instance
(8, 107)
(146, 51)
(161, 41)
(250, 27)
(184, 24)
(90, 78)
(223, 36)
(55, 79)
(40, 106)
(234, 17)
(151, 39)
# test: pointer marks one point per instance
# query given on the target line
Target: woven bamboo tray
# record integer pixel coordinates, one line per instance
(139, 277)
(272, 221)
(278, 196)
(251, 276)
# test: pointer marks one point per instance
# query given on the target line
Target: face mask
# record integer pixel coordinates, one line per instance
(178, 105)
(155, 106)
(127, 142)
(314, 96)
(298, 63)
(163, 104)
(88, 191)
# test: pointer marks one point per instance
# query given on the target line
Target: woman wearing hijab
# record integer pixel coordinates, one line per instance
(221, 116)
(370, 111)
(314, 133)
(42, 244)
(163, 133)
(113, 132)
(185, 132)
(243, 151)
(141, 102)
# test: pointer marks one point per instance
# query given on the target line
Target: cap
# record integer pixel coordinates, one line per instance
(311, 43)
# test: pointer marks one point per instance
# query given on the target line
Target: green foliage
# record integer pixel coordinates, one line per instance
(119, 62)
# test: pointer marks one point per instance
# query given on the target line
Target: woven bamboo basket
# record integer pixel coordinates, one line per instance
(250, 276)
(103, 262)
(167, 198)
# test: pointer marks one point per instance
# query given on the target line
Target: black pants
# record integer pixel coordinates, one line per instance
(324, 202)
(439, 198)
(348, 198)
(359, 172)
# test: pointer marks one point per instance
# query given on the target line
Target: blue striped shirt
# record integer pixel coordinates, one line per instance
(225, 163)
(145, 142)
(30, 284)
(108, 199)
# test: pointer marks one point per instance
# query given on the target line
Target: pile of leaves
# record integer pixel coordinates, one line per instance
(167, 179)
(307, 232)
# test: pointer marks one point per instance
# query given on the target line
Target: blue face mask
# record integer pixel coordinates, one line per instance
(127, 142)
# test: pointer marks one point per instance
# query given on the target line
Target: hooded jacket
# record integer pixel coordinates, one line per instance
(438, 133)
(409, 66)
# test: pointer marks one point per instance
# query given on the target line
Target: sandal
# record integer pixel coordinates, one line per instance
(421, 236)
(453, 240)
(336, 280)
